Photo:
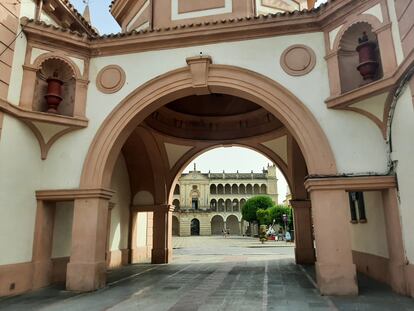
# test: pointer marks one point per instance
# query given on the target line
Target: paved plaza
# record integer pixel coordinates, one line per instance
(214, 273)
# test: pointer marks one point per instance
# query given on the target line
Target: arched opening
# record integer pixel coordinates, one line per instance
(213, 189)
(249, 98)
(228, 205)
(263, 189)
(176, 204)
(233, 225)
(359, 57)
(256, 189)
(217, 225)
(234, 189)
(177, 190)
(242, 202)
(195, 227)
(213, 205)
(175, 226)
(221, 207)
(236, 206)
(242, 189)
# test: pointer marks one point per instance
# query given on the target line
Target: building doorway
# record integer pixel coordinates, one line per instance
(217, 225)
(195, 227)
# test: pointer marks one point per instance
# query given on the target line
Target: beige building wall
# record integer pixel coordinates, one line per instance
(370, 237)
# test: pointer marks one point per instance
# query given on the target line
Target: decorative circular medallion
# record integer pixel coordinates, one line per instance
(298, 60)
(110, 79)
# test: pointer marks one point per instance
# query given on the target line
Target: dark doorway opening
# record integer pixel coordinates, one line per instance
(195, 227)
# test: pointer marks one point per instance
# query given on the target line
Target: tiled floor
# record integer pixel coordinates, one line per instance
(213, 274)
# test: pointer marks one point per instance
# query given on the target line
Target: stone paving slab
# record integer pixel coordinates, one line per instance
(233, 277)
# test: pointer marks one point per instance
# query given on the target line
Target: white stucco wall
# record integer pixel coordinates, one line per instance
(120, 213)
(370, 237)
(62, 229)
(356, 142)
(403, 153)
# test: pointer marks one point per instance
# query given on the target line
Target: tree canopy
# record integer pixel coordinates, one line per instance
(252, 205)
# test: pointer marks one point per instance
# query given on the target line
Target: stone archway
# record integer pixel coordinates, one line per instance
(233, 225)
(198, 78)
(217, 225)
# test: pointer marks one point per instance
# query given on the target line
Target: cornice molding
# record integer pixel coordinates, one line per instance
(363, 183)
(232, 29)
(74, 194)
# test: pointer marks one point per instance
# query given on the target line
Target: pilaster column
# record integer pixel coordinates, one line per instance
(335, 270)
(397, 261)
(387, 49)
(43, 243)
(304, 249)
(162, 234)
(87, 267)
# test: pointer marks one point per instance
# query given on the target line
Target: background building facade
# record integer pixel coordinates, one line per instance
(206, 203)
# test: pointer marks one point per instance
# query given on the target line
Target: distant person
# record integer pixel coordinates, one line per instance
(288, 237)
(224, 232)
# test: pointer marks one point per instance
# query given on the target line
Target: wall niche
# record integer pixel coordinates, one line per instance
(359, 57)
(55, 84)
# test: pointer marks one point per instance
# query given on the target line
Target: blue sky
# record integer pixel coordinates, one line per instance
(102, 19)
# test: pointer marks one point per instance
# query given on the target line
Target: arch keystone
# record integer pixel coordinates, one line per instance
(199, 69)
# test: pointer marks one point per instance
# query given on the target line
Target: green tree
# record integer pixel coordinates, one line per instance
(249, 210)
(263, 216)
(276, 214)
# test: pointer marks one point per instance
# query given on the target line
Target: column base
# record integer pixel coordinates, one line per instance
(42, 273)
(305, 256)
(409, 274)
(336, 279)
(161, 256)
(397, 279)
(85, 277)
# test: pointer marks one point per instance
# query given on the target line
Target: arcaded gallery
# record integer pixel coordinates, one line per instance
(95, 131)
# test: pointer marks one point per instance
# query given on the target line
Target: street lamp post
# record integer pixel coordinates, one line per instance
(285, 218)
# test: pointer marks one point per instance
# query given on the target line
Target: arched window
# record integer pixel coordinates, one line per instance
(263, 189)
(176, 203)
(220, 189)
(242, 202)
(177, 189)
(213, 205)
(249, 189)
(227, 189)
(234, 189)
(242, 189)
(235, 205)
(213, 189)
(228, 205)
(256, 189)
(221, 205)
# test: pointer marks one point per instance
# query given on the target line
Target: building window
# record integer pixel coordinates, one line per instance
(357, 207)
(194, 204)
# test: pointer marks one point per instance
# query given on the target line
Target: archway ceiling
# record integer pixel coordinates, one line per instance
(147, 148)
(213, 117)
